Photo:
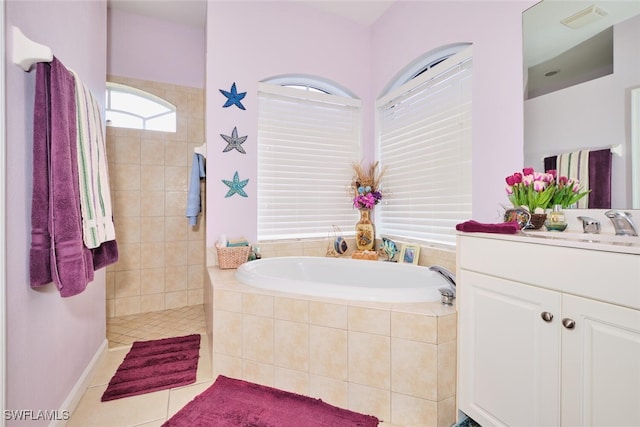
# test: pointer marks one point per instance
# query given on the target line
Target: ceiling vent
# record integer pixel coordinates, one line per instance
(584, 17)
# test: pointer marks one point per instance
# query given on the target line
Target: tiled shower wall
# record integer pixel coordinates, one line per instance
(162, 258)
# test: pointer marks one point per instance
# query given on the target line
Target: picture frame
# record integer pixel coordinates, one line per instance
(409, 254)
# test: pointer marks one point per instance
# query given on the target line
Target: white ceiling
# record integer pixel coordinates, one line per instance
(545, 37)
(193, 12)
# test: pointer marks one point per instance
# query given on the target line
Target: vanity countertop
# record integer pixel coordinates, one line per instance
(573, 236)
(595, 242)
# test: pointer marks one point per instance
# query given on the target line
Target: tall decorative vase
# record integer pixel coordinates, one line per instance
(365, 232)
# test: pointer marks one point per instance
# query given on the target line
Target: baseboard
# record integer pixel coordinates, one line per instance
(71, 402)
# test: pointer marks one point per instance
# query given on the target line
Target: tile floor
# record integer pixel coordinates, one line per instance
(124, 330)
(152, 409)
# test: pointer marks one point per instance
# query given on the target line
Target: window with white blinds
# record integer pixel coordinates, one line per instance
(424, 142)
(306, 144)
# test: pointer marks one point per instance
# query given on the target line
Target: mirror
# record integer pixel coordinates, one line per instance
(579, 85)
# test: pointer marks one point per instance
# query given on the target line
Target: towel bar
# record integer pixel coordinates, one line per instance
(616, 149)
(26, 52)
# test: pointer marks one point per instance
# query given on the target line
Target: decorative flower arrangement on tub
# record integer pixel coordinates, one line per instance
(366, 187)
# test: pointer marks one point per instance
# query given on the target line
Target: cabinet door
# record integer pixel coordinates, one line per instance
(509, 356)
(600, 364)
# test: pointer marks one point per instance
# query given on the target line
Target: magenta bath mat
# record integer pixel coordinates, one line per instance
(155, 365)
(230, 402)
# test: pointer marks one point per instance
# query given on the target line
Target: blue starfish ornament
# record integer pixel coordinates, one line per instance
(233, 97)
(236, 186)
(234, 141)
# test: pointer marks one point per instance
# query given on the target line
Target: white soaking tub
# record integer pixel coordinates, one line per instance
(343, 278)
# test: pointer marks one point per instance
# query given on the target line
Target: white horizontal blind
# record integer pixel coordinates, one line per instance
(424, 131)
(306, 144)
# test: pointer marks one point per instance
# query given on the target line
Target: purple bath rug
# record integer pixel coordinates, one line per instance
(155, 365)
(230, 402)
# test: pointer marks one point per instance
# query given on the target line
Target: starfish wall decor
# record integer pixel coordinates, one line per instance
(233, 97)
(236, 186)
(234, 141)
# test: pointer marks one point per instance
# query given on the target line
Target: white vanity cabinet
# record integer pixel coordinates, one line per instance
(549, 334)
(600, 364)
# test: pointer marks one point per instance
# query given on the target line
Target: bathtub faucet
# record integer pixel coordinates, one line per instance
(448, 293)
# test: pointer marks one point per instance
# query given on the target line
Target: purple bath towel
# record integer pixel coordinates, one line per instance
(599, 177)
(57, 251)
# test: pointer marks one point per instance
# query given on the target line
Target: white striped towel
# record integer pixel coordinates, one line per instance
(575, 165)
(93, 173)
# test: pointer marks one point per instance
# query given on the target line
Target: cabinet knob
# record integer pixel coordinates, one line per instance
(568, 323)
(546, 316)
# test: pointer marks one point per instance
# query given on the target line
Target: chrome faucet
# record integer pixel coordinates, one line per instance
(590, 225)
(622, 223)
(448, 293)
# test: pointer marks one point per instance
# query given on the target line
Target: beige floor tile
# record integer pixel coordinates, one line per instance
(158, 423)
(124, 330)
(183, 395)
(130, 411)
(108, 365)
(204, 362)
(147, 410)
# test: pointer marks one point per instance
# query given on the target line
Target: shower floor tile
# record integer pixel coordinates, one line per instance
(124, 330)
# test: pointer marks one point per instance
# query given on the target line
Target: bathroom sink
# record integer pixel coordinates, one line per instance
(610, 239)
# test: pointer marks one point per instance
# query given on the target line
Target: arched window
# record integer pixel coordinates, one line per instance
(424, 141)
(422, 64)
(310, 83)
(308, 135)
(128, 107)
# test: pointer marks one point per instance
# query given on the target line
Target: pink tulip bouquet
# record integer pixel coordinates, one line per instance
(530, 189)
(539, 191)
(568, 191)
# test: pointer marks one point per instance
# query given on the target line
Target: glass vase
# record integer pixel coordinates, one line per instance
(365, 232)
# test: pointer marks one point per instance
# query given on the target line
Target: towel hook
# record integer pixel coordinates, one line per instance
(201, 150)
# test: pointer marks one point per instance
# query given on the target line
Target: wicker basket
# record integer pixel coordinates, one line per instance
(368, 255)
(232, 257)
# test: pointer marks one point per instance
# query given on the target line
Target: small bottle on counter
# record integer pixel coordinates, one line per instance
(557, 215)
(556, 219)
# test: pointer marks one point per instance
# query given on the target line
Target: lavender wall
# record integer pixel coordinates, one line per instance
(150, 49)
(50, 340)
(411, 29)
(248, 42)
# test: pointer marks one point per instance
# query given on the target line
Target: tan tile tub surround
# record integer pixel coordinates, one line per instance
(394, 361)
(429, 255)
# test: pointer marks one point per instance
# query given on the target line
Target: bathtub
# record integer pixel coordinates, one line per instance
(343, 278)
(308, 344)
